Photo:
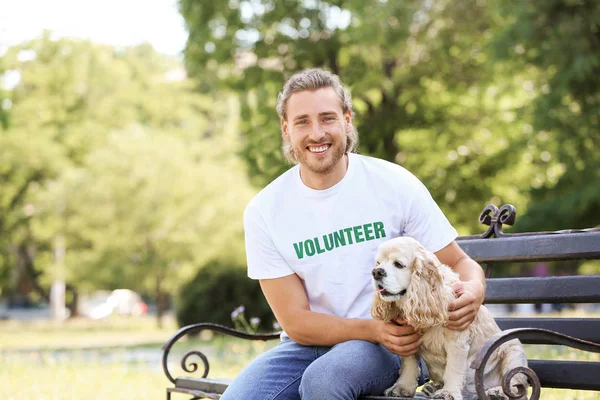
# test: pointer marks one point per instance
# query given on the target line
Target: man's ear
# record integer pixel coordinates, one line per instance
(348, 119)
(284, 130)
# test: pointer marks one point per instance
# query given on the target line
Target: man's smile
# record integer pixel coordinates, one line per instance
(320, 149)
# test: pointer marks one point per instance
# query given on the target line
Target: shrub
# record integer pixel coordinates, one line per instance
(216, 291)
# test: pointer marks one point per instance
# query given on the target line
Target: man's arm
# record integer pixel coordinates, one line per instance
(470, 290)
(289, 303)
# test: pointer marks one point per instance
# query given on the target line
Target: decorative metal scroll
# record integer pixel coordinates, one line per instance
(534, 335)
(495, 218)
(197, 328)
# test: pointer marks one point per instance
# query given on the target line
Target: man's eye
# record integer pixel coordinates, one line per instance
(301, 122)
(328, 119)
(398, 265)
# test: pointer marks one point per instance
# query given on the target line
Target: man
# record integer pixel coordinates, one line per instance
(311, 238)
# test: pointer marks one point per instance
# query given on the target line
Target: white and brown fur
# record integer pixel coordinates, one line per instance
(412, 284)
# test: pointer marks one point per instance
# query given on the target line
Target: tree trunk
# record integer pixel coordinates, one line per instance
(26, 256)
(160, 301)
(73, 304)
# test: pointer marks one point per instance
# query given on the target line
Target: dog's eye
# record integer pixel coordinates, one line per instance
(398, 265)
(377, 263)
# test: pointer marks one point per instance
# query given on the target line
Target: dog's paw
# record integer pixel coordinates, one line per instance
(447, 395)
(400, 391)
(430, 388)
(519, 384)
(496, 393)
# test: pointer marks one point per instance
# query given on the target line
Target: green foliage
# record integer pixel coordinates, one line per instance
(111, 151)
(486, 102)
(217, 292)
(144, 207)
(560, 40)
(426, 92)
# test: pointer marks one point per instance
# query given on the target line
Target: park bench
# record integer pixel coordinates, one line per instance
(489, 248)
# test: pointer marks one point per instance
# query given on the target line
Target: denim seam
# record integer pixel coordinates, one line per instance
(286, 386)
(315, 356)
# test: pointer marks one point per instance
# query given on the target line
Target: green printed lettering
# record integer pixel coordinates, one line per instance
(349, 235)
(358, 234)
(299, 250)
(328, 243)
(319, 249)
(368, 231)
(342, 237)
(309, 247)
(339, 238)
(379, 230)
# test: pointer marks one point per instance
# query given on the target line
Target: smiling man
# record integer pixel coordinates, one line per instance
(311, 238)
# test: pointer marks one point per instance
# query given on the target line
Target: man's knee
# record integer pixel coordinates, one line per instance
(349, 370)
(323, 383)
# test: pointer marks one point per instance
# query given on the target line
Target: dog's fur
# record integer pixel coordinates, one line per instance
(411, 283)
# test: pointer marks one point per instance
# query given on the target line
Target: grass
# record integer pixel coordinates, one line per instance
(81, 333)
(79, 380)
(83, 359)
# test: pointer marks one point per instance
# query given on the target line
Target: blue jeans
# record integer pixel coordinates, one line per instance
(291, 371)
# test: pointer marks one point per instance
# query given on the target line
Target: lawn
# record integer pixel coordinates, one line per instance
(119, 358)
(83, 333)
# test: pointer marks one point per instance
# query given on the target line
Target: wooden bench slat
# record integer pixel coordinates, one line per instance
(203, 384)
(418, 396)
(197, 394)
(553, 290)
(545, 247)
(555, 374)
(581, 328)
(567, 374)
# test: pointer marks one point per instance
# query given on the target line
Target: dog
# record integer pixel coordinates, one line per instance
(412, 284)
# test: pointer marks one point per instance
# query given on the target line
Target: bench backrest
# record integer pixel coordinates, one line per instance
(497, 247)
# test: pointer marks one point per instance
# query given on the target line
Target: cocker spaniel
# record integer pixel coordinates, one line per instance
(411, 283)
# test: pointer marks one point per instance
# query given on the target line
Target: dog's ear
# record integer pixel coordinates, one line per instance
(425, 305)
(427, 266)
(384, 310)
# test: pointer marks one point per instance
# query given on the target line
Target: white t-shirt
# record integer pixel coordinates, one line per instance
(329, 237)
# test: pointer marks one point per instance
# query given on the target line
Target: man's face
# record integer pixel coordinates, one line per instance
(317, 127)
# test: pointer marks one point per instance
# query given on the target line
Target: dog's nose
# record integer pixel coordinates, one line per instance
(378, 273)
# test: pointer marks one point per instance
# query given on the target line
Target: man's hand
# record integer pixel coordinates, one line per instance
(470, 290)
(398, 337)
(470, 295)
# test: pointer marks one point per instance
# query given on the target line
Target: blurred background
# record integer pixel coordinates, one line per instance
(133, 133)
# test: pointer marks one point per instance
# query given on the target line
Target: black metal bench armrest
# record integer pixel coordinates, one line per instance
(197, 328)
(533, 336)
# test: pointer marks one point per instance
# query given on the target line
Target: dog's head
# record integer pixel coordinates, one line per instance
(408, 282)
(394, 265)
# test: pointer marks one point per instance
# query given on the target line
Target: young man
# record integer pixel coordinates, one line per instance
(311, 238)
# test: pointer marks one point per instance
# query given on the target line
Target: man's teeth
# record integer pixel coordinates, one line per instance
(319, 149)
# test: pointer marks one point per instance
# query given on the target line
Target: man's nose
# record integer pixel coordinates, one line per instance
(317, 132)
(378, 273)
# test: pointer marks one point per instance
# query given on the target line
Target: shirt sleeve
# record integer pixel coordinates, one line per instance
(426, 222)
(263, 259)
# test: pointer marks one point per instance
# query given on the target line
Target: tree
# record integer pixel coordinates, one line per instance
(77, 105)
(26, 162)
(560, 41)
(145, 211)
(425, 90)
